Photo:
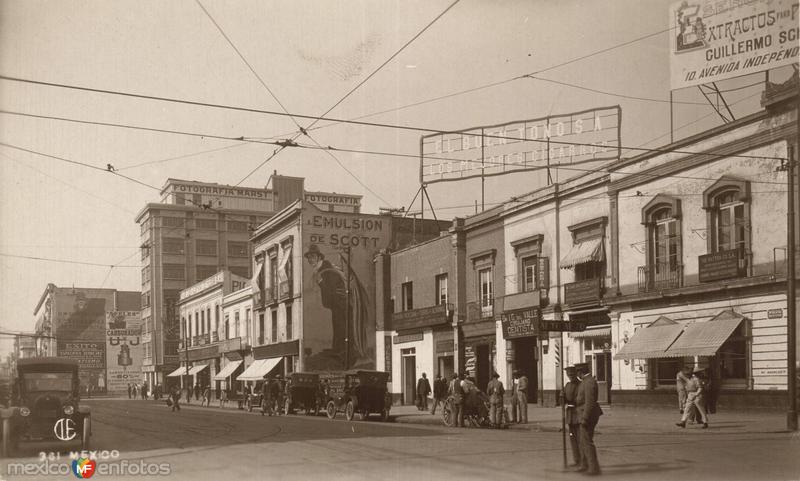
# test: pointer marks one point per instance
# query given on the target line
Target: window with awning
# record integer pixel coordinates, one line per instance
(227, 370)
(590, 250)
(259, 369)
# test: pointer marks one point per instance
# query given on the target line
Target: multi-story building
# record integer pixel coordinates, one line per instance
(699, 233)
(315, 285)
(209, 328)
(196, 230)
(97, 327)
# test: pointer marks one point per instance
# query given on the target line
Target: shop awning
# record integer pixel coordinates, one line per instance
(599, 331)
(583, 252)
(178, 372)
(195, 369)
(227, 370)
(650, 342)
(705, 338)
(259, 369)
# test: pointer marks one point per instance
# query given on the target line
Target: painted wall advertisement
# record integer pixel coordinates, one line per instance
(326, 238)
(713, 40)
(80, 335)
(124, 350)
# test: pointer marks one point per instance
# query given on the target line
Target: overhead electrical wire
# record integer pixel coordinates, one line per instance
(65, 261)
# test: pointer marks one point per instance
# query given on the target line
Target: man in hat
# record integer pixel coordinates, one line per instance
(695, 396)
(332, 291)
(589, 413)
(522, 397)
(495, 391)
(572, 420)
(423, 389)
(457, 391)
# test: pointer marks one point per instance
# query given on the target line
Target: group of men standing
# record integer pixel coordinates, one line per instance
(582, 414)
(143, 390)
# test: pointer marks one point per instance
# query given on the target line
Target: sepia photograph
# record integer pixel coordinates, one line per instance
(399, 240)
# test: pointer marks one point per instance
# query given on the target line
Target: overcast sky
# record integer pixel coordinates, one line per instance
(309, 54)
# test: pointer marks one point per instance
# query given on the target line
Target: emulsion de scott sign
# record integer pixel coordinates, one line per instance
(566, 139)
(713, 40)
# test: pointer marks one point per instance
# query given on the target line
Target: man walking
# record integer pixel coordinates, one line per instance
(175, 395)
(129, 390)
(495, 391)
(423, 389)
(458, 400)
(197, 392)
(571, 414)
(589, 413)
(439, 392)
(144, 391)
(695, 398)
(522, 397)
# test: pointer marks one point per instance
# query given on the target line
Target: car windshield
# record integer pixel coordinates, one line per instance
(47, 381)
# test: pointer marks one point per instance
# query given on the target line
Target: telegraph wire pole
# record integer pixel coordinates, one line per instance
(791, 295)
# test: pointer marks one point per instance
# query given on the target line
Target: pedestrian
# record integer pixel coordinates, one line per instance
(571, 418)
(129, 390)
(589, 413)
(158, 392)
(189, 394)
(439, 392)
(197, 391)
(223, 398)
(135, 390)
(681, 380)
(522, 397)
(145, 391)
(176, 398)
(458, 400)
(495, 391)
(423, 389)
(695, 397)
(206, 396)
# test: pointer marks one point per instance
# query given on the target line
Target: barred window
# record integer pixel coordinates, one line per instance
(205, 224)
(205, 271)
(237, 249)
(173, 245)
(206, 247)
(174, 271)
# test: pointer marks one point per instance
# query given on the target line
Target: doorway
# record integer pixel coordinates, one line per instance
(526, 360)
(602, 369)
(483, 365)
(409, 375)
(446, 366)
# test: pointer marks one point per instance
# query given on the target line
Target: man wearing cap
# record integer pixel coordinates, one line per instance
(589, 413)
(571, 414)
(695, 396)
(333, 293)
(495, 391)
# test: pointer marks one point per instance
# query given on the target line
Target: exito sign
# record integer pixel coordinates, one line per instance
(713, 40)
(518, 146)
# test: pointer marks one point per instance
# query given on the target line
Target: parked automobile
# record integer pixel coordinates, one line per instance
(302, 392)
(361, 391)
(44, 405)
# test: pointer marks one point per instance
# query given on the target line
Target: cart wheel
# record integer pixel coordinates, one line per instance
(447, 413)
(385, 415)
(349, 410)
(5, 449)
(87, 432)
(331, 410)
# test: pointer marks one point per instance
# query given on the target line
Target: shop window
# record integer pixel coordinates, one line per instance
(173, 245)
(441, 290)
(727, 203)
(662, 372)
(408, 296)
(733, 356)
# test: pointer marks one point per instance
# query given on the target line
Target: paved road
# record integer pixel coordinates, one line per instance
(201, 443)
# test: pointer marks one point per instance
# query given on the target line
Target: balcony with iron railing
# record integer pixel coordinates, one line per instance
(660, 276)
(480, 311)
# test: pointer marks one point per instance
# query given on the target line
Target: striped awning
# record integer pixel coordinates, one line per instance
(227, 370)
(196, 369)
(650, 342)
(583, 252)
(178, 372)
(705, 338)
(259, 369)
(598, 331)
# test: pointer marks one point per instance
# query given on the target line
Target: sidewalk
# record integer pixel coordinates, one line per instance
(619, 419)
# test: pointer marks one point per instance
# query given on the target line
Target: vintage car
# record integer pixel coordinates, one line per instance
(361, 391)
(44, 406)
(303, 392)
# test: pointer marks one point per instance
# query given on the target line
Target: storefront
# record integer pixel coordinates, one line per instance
(480, 350)
(520, 314)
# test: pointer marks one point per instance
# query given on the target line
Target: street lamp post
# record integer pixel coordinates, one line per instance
(347, 313)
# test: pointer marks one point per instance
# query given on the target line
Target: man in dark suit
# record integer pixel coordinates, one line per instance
(571, 413)
(423, 389)
(589, 413)
(333, 293)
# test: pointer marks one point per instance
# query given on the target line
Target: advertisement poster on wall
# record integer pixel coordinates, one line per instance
(713, 40)
(327, 236)
(80, 333)
(124, 350)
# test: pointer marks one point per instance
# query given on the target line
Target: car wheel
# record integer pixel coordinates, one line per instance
(447, 413)
(331, 410)
(349, 410)
(5, 449)
(87, 433)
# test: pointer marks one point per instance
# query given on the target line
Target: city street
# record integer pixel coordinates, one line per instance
(212, 443)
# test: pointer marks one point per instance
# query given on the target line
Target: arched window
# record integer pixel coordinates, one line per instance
(728, 205)
(664, 269)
